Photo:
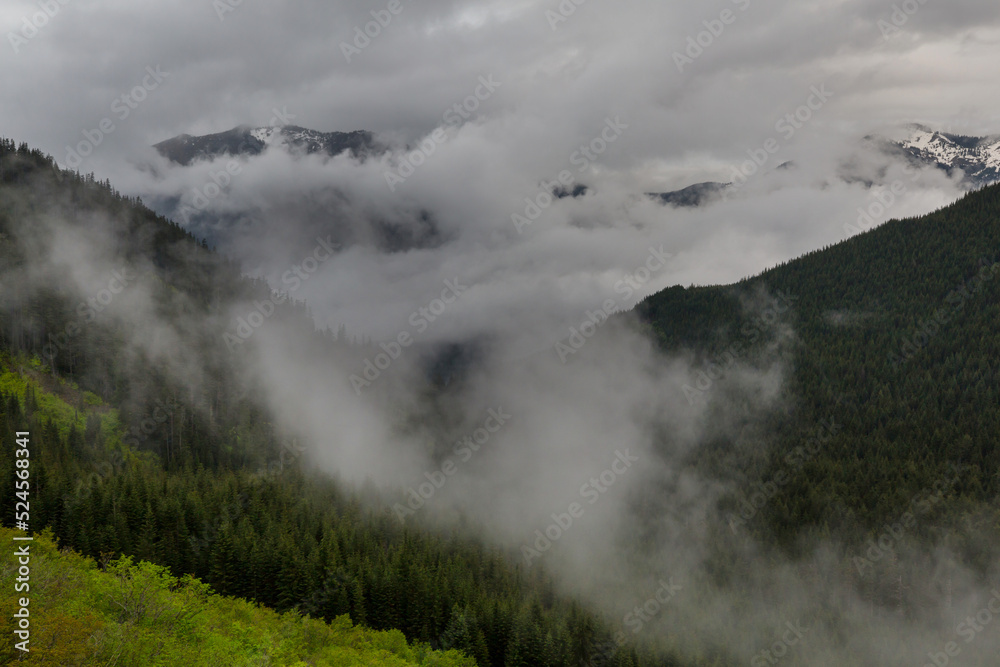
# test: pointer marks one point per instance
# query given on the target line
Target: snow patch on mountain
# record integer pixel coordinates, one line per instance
(263, 134)
(977, 157)
(249, 141)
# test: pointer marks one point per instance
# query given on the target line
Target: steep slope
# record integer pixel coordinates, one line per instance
(150, 442)
(892, 334)
(129, 613)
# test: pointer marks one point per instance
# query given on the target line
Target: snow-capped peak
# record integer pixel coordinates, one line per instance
(977, 157)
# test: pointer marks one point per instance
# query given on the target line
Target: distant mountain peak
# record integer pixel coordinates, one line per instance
(692, 196)
(977, 157)
(245, 140)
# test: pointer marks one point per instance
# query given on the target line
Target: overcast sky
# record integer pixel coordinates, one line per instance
(692, 113)
(231, 67)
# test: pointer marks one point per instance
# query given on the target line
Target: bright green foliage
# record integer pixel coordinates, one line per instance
(26, 385)
(138, 614)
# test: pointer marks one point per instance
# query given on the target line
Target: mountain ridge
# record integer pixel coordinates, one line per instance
(247, 140)
(978, 158)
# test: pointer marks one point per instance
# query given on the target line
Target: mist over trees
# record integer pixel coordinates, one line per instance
(818, 442)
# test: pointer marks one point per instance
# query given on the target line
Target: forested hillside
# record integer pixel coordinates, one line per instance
(893, 335)
(128, 613)
(131, 460)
